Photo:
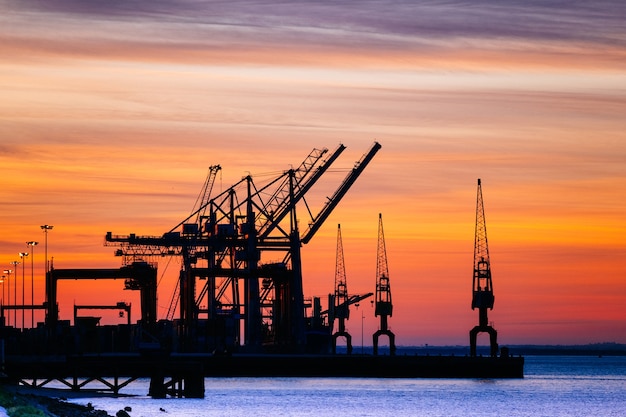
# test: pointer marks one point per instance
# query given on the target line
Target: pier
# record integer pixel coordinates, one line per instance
(182, 375)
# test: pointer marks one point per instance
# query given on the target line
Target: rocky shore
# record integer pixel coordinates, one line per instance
(21, 404)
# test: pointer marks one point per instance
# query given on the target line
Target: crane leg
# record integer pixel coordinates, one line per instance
(392, 341)
(493, 339)
(348, 341)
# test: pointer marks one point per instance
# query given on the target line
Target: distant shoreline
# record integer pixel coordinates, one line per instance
(595, 349)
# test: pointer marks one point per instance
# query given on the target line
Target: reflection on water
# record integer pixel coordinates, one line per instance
(553, 386)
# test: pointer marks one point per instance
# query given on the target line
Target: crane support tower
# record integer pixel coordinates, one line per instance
(340, 300)
(482, 288)
(383, 307)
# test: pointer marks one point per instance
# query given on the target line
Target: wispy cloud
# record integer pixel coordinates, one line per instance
(191, 31)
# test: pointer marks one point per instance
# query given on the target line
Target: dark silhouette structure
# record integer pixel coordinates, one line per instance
(241, 263)
(239, 298)
(383, 308)
(340, 300)
(482, 288)
(139, 276)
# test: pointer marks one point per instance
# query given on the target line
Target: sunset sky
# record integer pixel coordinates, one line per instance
(111, 112)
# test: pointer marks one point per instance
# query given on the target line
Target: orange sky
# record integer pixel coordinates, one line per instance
(110, 117)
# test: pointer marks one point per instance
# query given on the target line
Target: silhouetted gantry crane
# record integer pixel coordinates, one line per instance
(244, 245)
(383, 307)
(482, 288)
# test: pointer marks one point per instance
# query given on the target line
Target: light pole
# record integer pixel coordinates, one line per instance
(45, 229)
(15, 264)
(23, 255)
(4, 277)
(362, 323)
(32, 244)
(8, 272)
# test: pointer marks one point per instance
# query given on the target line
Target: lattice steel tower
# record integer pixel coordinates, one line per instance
(383, 307)
(482, 288)
(341, 302)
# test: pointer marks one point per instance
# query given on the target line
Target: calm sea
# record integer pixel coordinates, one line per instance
(553, 386)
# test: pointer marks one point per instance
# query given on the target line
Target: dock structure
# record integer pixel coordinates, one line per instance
(183, 375)
(173, 376)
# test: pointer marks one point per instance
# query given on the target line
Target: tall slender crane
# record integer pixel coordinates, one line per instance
(384, 307)
(482, 288)
(341, 305)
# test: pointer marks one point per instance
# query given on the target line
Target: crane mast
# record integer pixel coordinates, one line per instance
(383, 307)
(482, 288)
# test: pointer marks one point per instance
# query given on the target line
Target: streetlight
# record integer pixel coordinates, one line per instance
(2, 281)
(15, 264)
(8, 272)
(32, 244)
(362, 323)
(45, 229)
(23, 255)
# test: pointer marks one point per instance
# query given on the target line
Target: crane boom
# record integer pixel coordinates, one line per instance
(339, 193)
(302, 185)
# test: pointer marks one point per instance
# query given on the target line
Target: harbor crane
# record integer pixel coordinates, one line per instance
(241, 258)
(482, 288)
(339, 303)
(383, 307)
(340, 300)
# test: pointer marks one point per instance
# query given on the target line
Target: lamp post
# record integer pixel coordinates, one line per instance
(15, 264)
(23, 255)
(4, 277)
(45, 229)
(8, 301)
(32, 244)
(362, 325)
(8, 272)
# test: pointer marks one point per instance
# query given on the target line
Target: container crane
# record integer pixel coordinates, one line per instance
(383, 307)
(482, 288)
(246, 248)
